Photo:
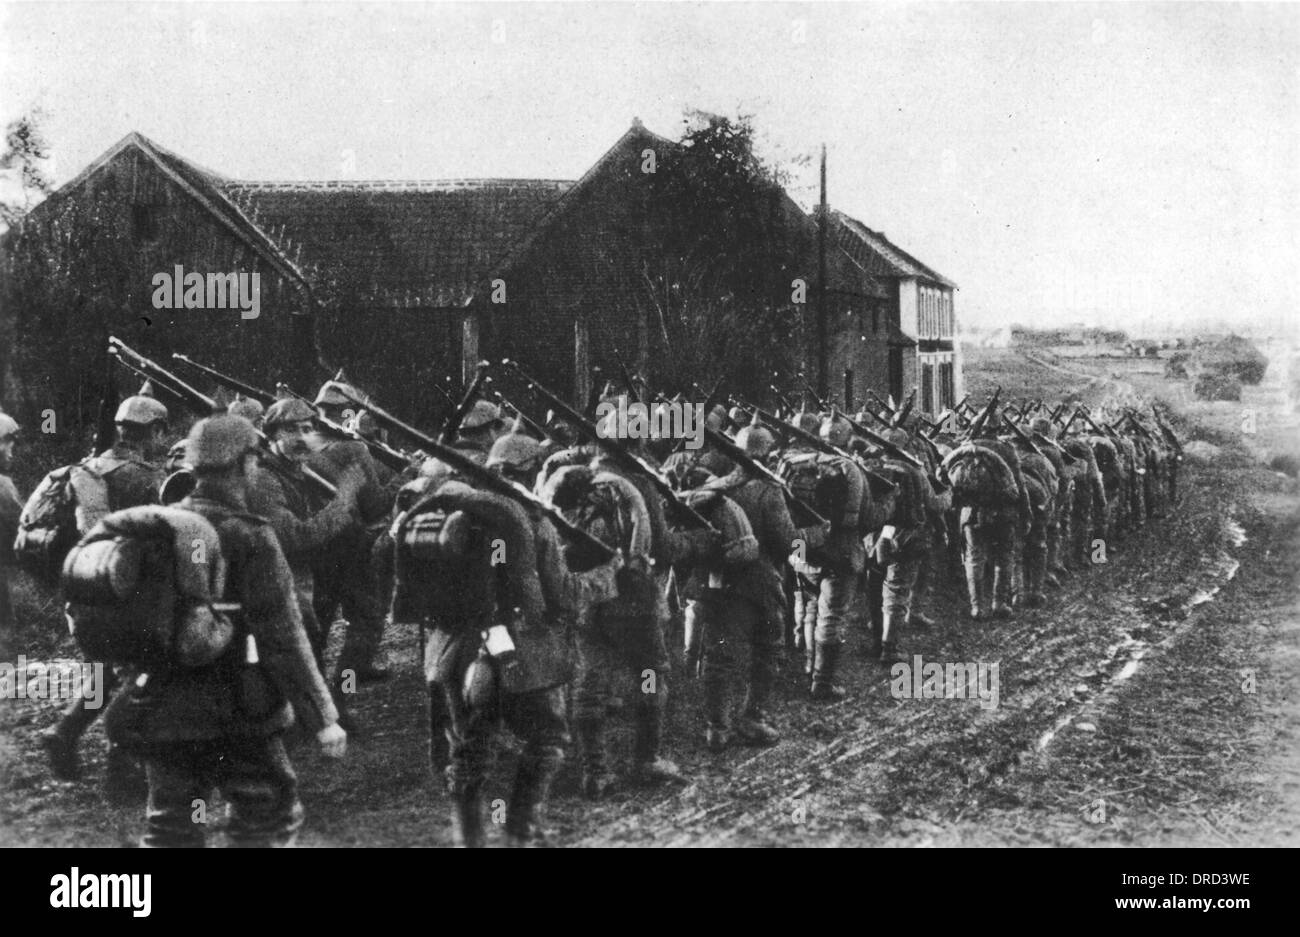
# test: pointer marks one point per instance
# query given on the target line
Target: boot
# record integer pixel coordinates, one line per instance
(1001, 586)
(596, 779)
(975, 586)
(649, 767)
(468, 814)
(1035, 575)
(888, 642)
(826, 658)
(525, 815)
(62, 752)
(124, 780)
(754, 730)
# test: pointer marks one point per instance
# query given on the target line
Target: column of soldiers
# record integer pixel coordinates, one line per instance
(542, 562)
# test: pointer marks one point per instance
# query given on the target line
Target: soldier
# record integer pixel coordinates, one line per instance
(199, 728)
(621, 636)
(836, 582)
(11, 507)
(752, 609)
(1041, 484)
(899, 556)
(126, 475)
(481, 427)
(992, 525)
(344, 569)
(303, 520)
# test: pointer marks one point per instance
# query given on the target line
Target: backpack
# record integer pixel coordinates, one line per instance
(143, 589)
(443, 568)
(67, 503)
(980, 477)
(818, 480)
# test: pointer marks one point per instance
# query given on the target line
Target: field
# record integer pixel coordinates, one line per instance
(1154, 702)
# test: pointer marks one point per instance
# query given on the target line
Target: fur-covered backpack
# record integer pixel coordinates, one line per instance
(67, 503)
(980, 477)
(144, 587)
(818, 480)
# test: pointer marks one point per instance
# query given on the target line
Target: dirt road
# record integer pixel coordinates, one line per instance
(1154, 702)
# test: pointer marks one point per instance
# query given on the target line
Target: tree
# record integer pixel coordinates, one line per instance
(727, 247)
(25, 158)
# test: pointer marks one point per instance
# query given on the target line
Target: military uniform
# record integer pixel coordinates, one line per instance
(221, 725)
(125, 478)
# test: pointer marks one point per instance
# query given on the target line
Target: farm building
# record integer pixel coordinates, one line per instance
(406, 283)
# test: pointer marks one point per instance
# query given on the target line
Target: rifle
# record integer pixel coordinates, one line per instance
(626, 460)
(898, 452)
(808, 516)
(451, 428)
(904, 411)
(202, 403)
(977, 424)
(789, 431)
(1024, 437)
(381, 453)
(1056, 414)
(529, 423)
(486, 478)
(781, 398)
(884, 405)
(1168, 431)
(1082, 411)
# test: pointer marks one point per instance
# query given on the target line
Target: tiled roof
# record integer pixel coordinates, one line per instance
(877, 255)
(399, 243)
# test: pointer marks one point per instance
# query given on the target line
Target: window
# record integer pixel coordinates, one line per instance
(947, 393)
(927, 388)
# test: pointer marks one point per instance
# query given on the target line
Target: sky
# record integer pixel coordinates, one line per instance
(1126, 164)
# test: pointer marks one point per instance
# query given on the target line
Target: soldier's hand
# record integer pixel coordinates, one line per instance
(333, 741)
(350, 481)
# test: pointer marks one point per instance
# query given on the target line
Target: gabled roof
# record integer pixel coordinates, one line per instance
(877, 254)
(200, 184)
(399, 243)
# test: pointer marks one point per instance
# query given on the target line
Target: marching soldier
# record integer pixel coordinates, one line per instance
(836, 582)
(124, 476)
(752, 609)
(897, 558)
(198, 727)
(344, 569)
(304, 522)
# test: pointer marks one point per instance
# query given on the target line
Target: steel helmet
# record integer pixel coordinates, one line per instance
(8, 426)
(335, 393)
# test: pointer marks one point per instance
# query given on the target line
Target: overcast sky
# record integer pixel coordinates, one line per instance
(1115, 163)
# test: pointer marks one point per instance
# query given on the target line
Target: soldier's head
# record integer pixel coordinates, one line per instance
(8, 438)
(560, 430)
(482, 425)
(899, 437)
(176, 455)
(991, 428)
(433, 472)
(836, 431)
(807, 420)
(336, 399)
(141, 423)
(288, 424)
(517, 457)
(717, 418)
(1041, 425)
(222, 448)
(248, 408)
(757, 441)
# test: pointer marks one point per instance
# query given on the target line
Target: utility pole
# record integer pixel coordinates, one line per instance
(823, 218)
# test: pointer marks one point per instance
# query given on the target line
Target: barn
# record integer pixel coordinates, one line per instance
(407, 283)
